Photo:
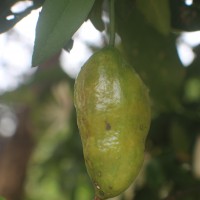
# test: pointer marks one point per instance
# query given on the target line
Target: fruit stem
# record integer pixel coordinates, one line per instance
(112, 23)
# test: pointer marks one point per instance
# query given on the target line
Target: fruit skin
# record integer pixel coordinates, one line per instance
(113, 115)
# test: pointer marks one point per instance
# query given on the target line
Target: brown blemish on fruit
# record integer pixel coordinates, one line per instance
(108, 126)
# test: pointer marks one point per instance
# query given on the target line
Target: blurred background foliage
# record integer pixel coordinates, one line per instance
(54, 169)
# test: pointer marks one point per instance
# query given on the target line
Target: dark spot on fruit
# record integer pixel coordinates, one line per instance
(110, 187)
(108, 126)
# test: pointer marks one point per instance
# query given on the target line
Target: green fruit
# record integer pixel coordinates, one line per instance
(113, 114)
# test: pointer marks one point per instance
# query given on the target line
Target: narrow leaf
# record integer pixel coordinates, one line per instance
(57, 23)
(157, 12)
(95, 15)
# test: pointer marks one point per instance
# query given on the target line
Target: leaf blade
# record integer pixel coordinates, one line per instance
(95, 15)
(157, 14)
(51, 32)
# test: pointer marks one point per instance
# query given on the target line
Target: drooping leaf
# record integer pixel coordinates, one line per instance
(157, 13)
(57, 23)
(95, 15)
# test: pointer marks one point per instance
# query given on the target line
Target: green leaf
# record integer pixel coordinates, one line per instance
(1, 198)
(58, 21)
(157, 13)
(95, 15)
